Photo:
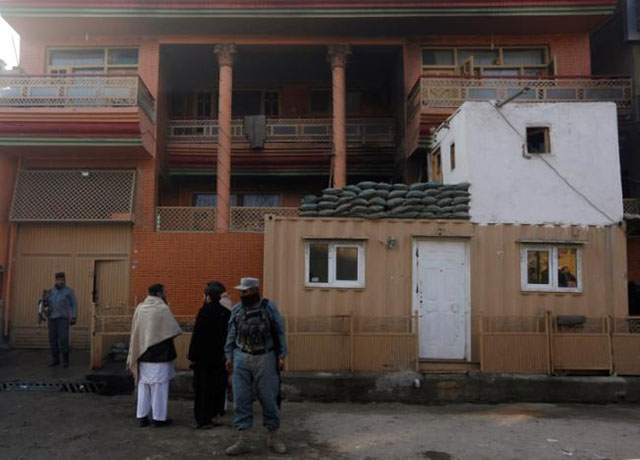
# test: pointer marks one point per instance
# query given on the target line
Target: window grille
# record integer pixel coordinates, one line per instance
(73, 196)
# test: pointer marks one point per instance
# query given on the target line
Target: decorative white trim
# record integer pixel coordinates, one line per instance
(552, 285)
(333, 282)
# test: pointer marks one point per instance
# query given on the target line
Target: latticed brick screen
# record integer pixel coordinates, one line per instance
(203, 219)
(250, 219)
(73, 196)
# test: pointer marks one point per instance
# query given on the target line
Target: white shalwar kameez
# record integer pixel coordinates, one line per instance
(153, 389)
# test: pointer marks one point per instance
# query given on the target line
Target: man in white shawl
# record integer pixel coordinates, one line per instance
(151, 356)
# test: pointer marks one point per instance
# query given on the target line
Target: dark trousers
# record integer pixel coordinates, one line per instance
(59, 337)
(210, 387)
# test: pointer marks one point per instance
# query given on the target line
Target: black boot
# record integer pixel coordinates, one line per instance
(65, 360)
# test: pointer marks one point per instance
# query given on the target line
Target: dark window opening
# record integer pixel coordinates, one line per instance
(538, 140)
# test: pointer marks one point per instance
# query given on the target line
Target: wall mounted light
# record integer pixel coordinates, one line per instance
(85, 173)
(391, 242)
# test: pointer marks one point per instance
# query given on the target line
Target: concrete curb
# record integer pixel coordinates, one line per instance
(415, 388)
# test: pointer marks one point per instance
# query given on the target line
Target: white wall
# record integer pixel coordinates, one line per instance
(509, 188)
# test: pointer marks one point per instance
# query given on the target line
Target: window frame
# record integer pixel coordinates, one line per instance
(545, 69)
(123, 69)
(546, 130)
(332, 282)
(552, 286)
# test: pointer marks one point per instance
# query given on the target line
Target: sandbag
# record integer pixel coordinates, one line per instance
(367, 185)
(359, 202)
(327, 205)
(375, 209)
(416, 194)
(397, 194)
(367, 193)
(384, 186)
(444, 202)
(351, 188)
(429, 200)
(331, 191)
(420, 186)
(308, 213)
(400, 187)
(343, 208)
(395, 202)
(378, 215)
(462, 186)
(358, 210)
(460, 200)
(326, 212)
(309, 207)
(310, 199)
(413, 202)
(329, 198)
(377, 201)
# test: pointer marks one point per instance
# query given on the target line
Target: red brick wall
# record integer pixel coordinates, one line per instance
(185, 262)
(633, 259)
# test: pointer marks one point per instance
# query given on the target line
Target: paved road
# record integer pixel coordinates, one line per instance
(51, 425)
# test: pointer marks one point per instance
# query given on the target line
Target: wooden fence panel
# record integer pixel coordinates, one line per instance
(378, 352)
(182, 350)
(626, 354)
(516, 352)
(318, 352)
(575, 351)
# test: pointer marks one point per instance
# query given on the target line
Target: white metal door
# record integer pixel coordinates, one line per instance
(441, 299)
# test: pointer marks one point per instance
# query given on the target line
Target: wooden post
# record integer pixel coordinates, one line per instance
(610, 342)
(351, 351)
(549, 342)
(286, 328)
(482, 343)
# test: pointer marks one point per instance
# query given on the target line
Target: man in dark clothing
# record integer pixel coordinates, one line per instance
(63, 311)
(206, 352)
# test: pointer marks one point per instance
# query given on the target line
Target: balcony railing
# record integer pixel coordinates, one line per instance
(76, 91)
(201, 219)
(631, 205)
(379, 130)
(453, 91)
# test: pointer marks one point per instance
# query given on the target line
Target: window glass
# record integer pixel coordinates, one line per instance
(354, 102)
(537, 267)
(538, 139)
(567, 267)
(271, 103)
(523, 56)
(320, 101)
(211, 199)
(246, 103)
(123, 56)
(204, 105)
(501, 72)
(77, 57)
(436, 57)
(346, 263)
(318, 263)
(261, 201)
(480, 57)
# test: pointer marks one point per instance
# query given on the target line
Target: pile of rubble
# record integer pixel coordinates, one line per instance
(372, 200)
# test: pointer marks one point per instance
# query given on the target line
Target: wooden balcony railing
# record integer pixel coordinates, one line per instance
(202, 219)
(363, 130)
(451, 91)
(76, 91)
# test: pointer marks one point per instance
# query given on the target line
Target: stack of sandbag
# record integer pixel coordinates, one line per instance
(372, 200)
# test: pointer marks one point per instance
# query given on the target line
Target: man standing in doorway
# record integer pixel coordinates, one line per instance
(63, 311)
(151, 355)
(255, 350)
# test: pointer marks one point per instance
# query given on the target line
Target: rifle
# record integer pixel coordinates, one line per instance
(277, 347)
(43, 307)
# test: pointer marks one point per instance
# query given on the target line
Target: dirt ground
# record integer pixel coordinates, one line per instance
(52, 425)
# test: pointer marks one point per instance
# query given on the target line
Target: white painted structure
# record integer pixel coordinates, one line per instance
(441, 299)
(578, 182)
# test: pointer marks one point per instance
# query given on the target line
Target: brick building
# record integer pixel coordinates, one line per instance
(145, 141)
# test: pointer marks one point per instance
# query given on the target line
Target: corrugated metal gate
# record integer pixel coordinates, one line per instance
(81, 251)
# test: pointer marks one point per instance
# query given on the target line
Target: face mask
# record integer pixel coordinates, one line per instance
(250, 300)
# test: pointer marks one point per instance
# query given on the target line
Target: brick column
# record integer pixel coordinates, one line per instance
(338, 56)
(225, 54)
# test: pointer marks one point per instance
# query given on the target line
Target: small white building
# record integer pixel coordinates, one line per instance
(555, 163)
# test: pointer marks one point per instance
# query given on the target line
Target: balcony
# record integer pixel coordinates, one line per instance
(87, 114)
(361, 130)
(439, 92)
(76, 91)
(434, 97)
(201, 219)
